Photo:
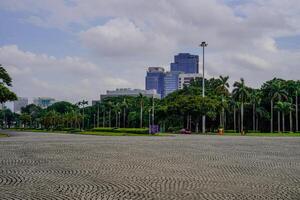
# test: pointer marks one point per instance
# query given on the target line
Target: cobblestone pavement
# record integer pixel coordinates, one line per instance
(61, 166)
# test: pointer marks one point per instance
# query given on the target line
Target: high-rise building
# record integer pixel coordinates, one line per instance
(171, 82)
(155, 79)
(186, 63)
(129, 92)
(185, 79)
(22, 102)
(43, 102)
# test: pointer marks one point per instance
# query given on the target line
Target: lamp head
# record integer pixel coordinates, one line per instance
(203, 44)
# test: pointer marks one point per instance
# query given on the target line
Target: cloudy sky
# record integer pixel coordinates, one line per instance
(75, 49)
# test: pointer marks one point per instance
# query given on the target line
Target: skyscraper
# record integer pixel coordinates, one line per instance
(155, 79)
(171, 82)
(19, 104)
(186, 63)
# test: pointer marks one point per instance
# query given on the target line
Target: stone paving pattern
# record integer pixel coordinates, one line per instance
(62, 166)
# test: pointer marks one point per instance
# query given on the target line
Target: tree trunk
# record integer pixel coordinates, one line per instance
(116, 121)
(223, 118)
(297, 122)
(83, 119)
(190, 123)
(149, 120)
(253, 117)
(234, 119)
(103, 120)
(109, 118)
(242, 118)
(141, 117)
(271, 128)
(98, 116)
(187, 122)
(197, 126)
(119, 120)
(257, 123)
(278, 120)
(291, 118)
(283, 123)
(124, 118)
(239, 121)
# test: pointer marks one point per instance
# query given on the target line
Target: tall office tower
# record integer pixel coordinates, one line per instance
(155, 79)
(44, 102)
(186, 63)
(22, 102)
(185, 79)
(171, 82)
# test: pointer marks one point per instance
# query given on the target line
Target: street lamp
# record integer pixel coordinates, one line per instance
(203, 45)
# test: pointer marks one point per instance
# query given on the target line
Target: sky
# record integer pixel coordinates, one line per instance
(76, 49)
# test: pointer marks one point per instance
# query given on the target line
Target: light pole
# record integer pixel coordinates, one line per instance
(149, 120)
(153, 110)
(203, 45)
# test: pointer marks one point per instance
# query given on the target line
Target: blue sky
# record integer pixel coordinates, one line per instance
(74, 49)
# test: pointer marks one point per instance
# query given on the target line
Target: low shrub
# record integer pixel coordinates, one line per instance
(103, 129)
(132, 130)
(122, 130)
(174, 129)
(250, 131)
(230, 131)
(71, 130)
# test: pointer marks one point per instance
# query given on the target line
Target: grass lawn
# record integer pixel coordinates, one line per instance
(36, 130)
(91, 133)
(261, 134)
(3, 135)
(119, 134)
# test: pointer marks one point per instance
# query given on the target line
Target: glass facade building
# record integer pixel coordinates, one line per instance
(186, 63)
(170, 82)
(155, 79)
(44, 102)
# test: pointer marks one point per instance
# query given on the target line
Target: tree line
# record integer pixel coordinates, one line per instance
(272, 107)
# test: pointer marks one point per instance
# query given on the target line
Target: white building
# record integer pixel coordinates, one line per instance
(185, 79)
(129, 92)
(22, 102)
(44, 102)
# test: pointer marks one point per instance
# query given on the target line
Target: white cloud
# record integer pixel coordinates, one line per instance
(70, 78)
(121, 37)
(125, 36)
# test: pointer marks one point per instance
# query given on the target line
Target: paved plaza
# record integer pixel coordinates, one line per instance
(62, 166)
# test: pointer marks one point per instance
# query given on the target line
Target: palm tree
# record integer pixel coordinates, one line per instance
(241, 93)
(222, 89)
(109, 105)
(141, 99)
(233, 105)
(116, 109)
(103, 113)
(124, 106)
(255, 99)
(277, 92)
(284, 108)
(82, 103)
(260, 112)
(297, 114)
